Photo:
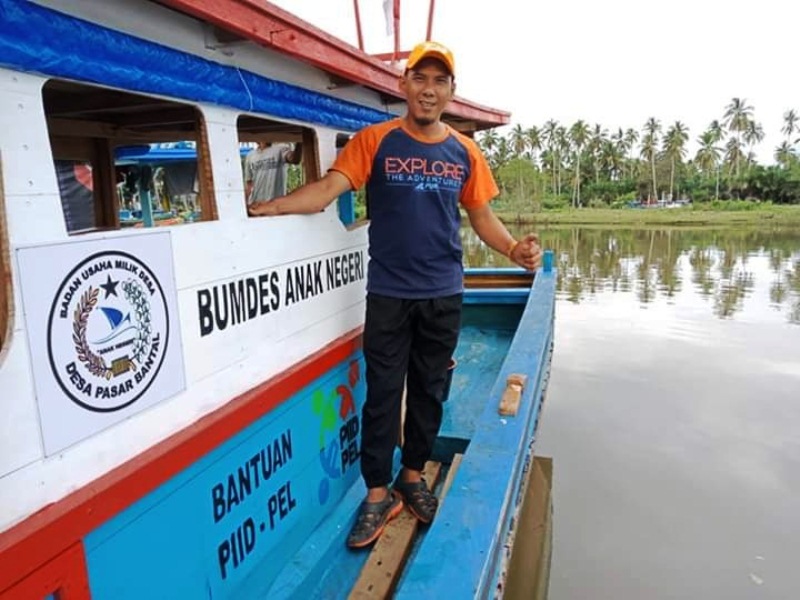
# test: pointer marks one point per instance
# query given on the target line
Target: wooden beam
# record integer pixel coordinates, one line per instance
(310, 159)
(83, 129)
(271, 137)
(208, 207)
(94, 100)
(72, 128)
(489, 280)
(104, 179)
(385, 563)
(72, 148)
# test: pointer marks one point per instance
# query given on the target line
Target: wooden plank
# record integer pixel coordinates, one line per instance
(451, 474)
(208, 206)
(498, 280)
(509, 402)
(310, 158)
(384, 565)
(106, 205)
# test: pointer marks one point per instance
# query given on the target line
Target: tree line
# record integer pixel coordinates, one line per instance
(555, 165)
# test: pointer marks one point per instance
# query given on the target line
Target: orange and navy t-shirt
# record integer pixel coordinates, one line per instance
(414, 188)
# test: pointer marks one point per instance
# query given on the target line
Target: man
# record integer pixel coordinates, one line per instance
(417, 170)
(265, 170)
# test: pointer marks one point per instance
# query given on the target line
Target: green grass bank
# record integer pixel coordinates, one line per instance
(774, 216)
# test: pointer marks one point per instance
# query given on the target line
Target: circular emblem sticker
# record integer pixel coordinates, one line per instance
(107, 332)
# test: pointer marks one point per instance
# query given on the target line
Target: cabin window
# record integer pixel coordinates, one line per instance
(126, 160)
(5, 273)
(277, 157)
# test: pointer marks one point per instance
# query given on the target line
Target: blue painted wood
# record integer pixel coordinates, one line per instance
(496, 271)
(170, 540)
(497, 296)
(462, 554)
(171, 544)
(347, 208)
(494, 463)
(323, 567)
(485, 338)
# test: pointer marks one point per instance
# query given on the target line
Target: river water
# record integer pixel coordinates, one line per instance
(673, 413)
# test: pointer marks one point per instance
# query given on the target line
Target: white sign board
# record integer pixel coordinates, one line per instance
(103, 331)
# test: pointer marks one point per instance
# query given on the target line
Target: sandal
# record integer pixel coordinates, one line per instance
(372, 518)
(419, 499)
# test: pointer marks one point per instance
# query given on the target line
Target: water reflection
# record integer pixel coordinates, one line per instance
(672, 412)
(727, 268)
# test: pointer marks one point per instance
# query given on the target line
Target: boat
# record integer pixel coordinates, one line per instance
(179, 404)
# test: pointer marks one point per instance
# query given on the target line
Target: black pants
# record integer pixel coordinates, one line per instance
(411, 342)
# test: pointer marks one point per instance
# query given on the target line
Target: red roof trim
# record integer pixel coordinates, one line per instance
(272, 27)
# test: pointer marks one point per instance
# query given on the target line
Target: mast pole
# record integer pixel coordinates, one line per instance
(396, 20)
(358, 26)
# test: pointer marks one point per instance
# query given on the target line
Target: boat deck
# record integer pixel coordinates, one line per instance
(504, 329)
(482, 348)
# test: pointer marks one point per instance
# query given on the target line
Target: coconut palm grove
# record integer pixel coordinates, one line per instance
(556, 166)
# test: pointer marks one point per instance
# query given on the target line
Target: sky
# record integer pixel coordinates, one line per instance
(613, 62)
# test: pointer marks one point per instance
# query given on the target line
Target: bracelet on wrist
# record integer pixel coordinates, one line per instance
(511, 247)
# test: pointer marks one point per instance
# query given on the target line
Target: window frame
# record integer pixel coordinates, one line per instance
(75, 135)
(6, 291)
(252, 127)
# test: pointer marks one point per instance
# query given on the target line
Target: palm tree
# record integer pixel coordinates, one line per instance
(737, 116)
(754, 134)
(707, 157)
(597, 138)
(562, 149)
(717, 130)
(630, 139)
(708, 154)
(734, 153)
(649, 148)
(488, 142)
(675, 148)
(519, 143)
(503, 152)
(612, 158)
(784, 154)
(550, 133)
(790, 123)
(534, 136)
(620, 149)
(578, 133)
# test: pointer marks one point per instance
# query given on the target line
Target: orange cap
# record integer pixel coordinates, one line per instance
(432, 50)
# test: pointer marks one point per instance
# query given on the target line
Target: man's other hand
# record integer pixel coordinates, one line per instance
(528, 253)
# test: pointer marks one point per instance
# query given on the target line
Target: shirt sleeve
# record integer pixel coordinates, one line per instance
(480, 187)
(355, 159)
